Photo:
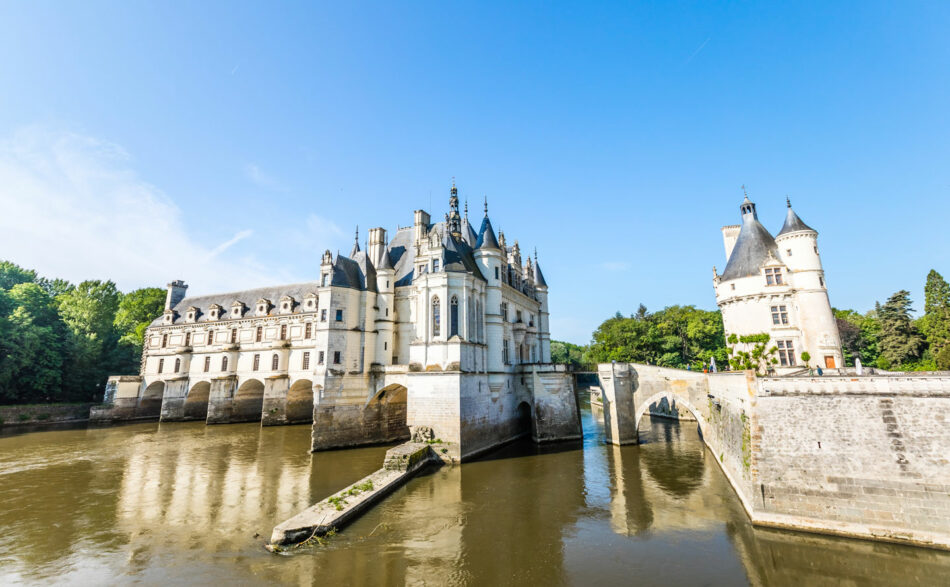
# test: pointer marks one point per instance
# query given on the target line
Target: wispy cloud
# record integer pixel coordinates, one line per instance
(614, 266)
(73, 207)
(261, 179)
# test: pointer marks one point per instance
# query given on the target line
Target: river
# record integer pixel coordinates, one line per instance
(154, 503)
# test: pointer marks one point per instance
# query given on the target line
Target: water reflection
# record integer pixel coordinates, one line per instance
(186, 502)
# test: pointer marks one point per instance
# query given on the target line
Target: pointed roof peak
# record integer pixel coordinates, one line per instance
(792, 222)
(356, 243)
(788, 201)
(486, 236)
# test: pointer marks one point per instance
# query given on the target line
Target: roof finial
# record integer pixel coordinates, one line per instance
(535, 255)
(788, 201)
(486, 205)
(744, 193)
(466, 208)
(357, 234)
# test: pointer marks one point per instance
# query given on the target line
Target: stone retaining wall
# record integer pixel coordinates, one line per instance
(41, 413)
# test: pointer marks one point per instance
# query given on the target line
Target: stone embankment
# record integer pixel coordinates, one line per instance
(43, 413)
(401, 463)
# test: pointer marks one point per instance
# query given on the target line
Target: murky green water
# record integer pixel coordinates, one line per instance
(185, 502)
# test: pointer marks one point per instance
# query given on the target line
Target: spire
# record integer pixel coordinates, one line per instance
(356, 243)
(538, 276)
(486, 236)
(486, 206)
(466, 208)
(453, 223)
(384, 261)
(792, 222)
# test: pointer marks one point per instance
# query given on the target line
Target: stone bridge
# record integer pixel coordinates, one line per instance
(854, 456)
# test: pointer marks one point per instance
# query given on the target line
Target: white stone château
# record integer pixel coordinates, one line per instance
(440, 326)
(776, 286)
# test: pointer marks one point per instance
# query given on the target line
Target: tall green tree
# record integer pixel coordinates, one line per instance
(900, 342)
(31, 358)
(860, 334)
(135, 312)
(935, 323)
(12, 274)
(89, 312)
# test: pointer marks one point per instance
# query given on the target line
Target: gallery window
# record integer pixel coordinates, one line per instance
(187, 339)
(306, 361)
(161, 365)
(283, 332)
(436, 316)
(274, 362)
(257, 362)
(320, 357)
(224, 363)
(207, 364)
(779, 315)
(786, 353)
(233, 335)
(260, 334)
(210, 338)
(177, 365)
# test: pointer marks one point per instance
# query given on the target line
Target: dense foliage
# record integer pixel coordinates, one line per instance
(59, 341)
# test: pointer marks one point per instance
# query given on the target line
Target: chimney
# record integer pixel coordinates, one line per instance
(377, 242)
(421, 225)
(176, 293)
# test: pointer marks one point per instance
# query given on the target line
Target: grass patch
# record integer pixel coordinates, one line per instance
(338, 501)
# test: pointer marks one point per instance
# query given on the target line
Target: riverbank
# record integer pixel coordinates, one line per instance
(30, 414)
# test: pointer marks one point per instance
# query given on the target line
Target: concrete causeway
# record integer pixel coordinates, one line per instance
(401, 463)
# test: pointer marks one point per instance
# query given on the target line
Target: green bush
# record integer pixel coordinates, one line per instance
(943, 359)
(25, 417)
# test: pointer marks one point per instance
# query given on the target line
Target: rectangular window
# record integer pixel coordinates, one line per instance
(164, 340)
(786, 353)
(260, 333)
(325, 280)
(308, 330)
(207, 364)
(779, 315)
(210, 339)
(435, 265)
(339, 315)
(821, 281)
(336, 357)
(187, 339)
(496, 273)
(233, 335)
(257, 362)
(773, 276)
(385, 346)
(161, 365)
(306, 361)
(518, 316)
(530, 319)
(323, 315)
(283, 332)
(320, 358)
(504, 352)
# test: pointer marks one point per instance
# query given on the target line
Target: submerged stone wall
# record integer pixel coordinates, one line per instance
(43, 413)
(855, 456)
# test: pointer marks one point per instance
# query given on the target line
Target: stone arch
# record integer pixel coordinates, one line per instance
(392, 393)
(672, 398)
(150, 402)
(248, 402)
(196, 402)
(300, 402)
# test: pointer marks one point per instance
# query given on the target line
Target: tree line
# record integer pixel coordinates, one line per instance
(887, 337)
(59, 342)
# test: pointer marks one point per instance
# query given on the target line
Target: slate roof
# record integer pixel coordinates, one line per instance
(751, 251)
(459, 257)
(486, 236)
(538, 276)
(793, 223)
(298, 291)
(469, 233)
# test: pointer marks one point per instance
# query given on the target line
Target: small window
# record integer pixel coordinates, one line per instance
(821, 281)
(308, 330)
(207, 364)
(773, 276)
(320, 358)
(339, 315)
(164, 340)
(161, 365)
(779, 315)
(286, 306)
(224, 363)
(274, 362)
(387, 311)
(435, 265)
(336, 357)
(177, 365)
(309, 303)
(816, 250)
(257, 362)
(283, 332)
(210, 338)
(789, 252)
(260, 334)
(505, 353)
(733, 287)
(187, 339)
(233, 335)
(387, 284)
(518, 316)
(306, 361)
(385, 346)
(496, 273)
(323, 315)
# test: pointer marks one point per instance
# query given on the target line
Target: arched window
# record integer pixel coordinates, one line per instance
(274, 362)
(470, 319)
(436, 317)
(224, 363)
(177, 365)
(454, 317)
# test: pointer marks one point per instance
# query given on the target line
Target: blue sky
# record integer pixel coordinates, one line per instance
(229, 145)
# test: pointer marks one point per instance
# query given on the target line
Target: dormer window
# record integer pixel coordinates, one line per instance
(237, 309)
(286, 305)
(263, 307)
(169, 317)
(773, 276)
(192, 314)
(214, 312)
(311, 302)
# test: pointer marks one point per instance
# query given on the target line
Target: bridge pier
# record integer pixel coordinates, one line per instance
(275, 400)
(619, 381)
(173, 400)
(221, 399)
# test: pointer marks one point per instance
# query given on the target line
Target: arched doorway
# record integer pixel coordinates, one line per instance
(150, 404)
(300, 402)
(525, 421)
(248, 402)
(196, 402)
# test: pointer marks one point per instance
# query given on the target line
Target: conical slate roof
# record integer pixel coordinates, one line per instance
(486, 236)
(752, 249)
(538, 276)
(468, 233)
(793, 223)
(384, 261)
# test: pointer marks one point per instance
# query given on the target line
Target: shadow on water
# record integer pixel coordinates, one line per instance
(191, 503)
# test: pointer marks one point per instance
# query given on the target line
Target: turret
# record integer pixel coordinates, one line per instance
(544, 327)
(176, 293)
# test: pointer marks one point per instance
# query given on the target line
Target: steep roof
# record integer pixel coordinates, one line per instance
(486, 236)
(468, 233)
(459, 257)
(384, 261)
(538, 276)
(751, 250)
(793, 223)
(249, 297)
